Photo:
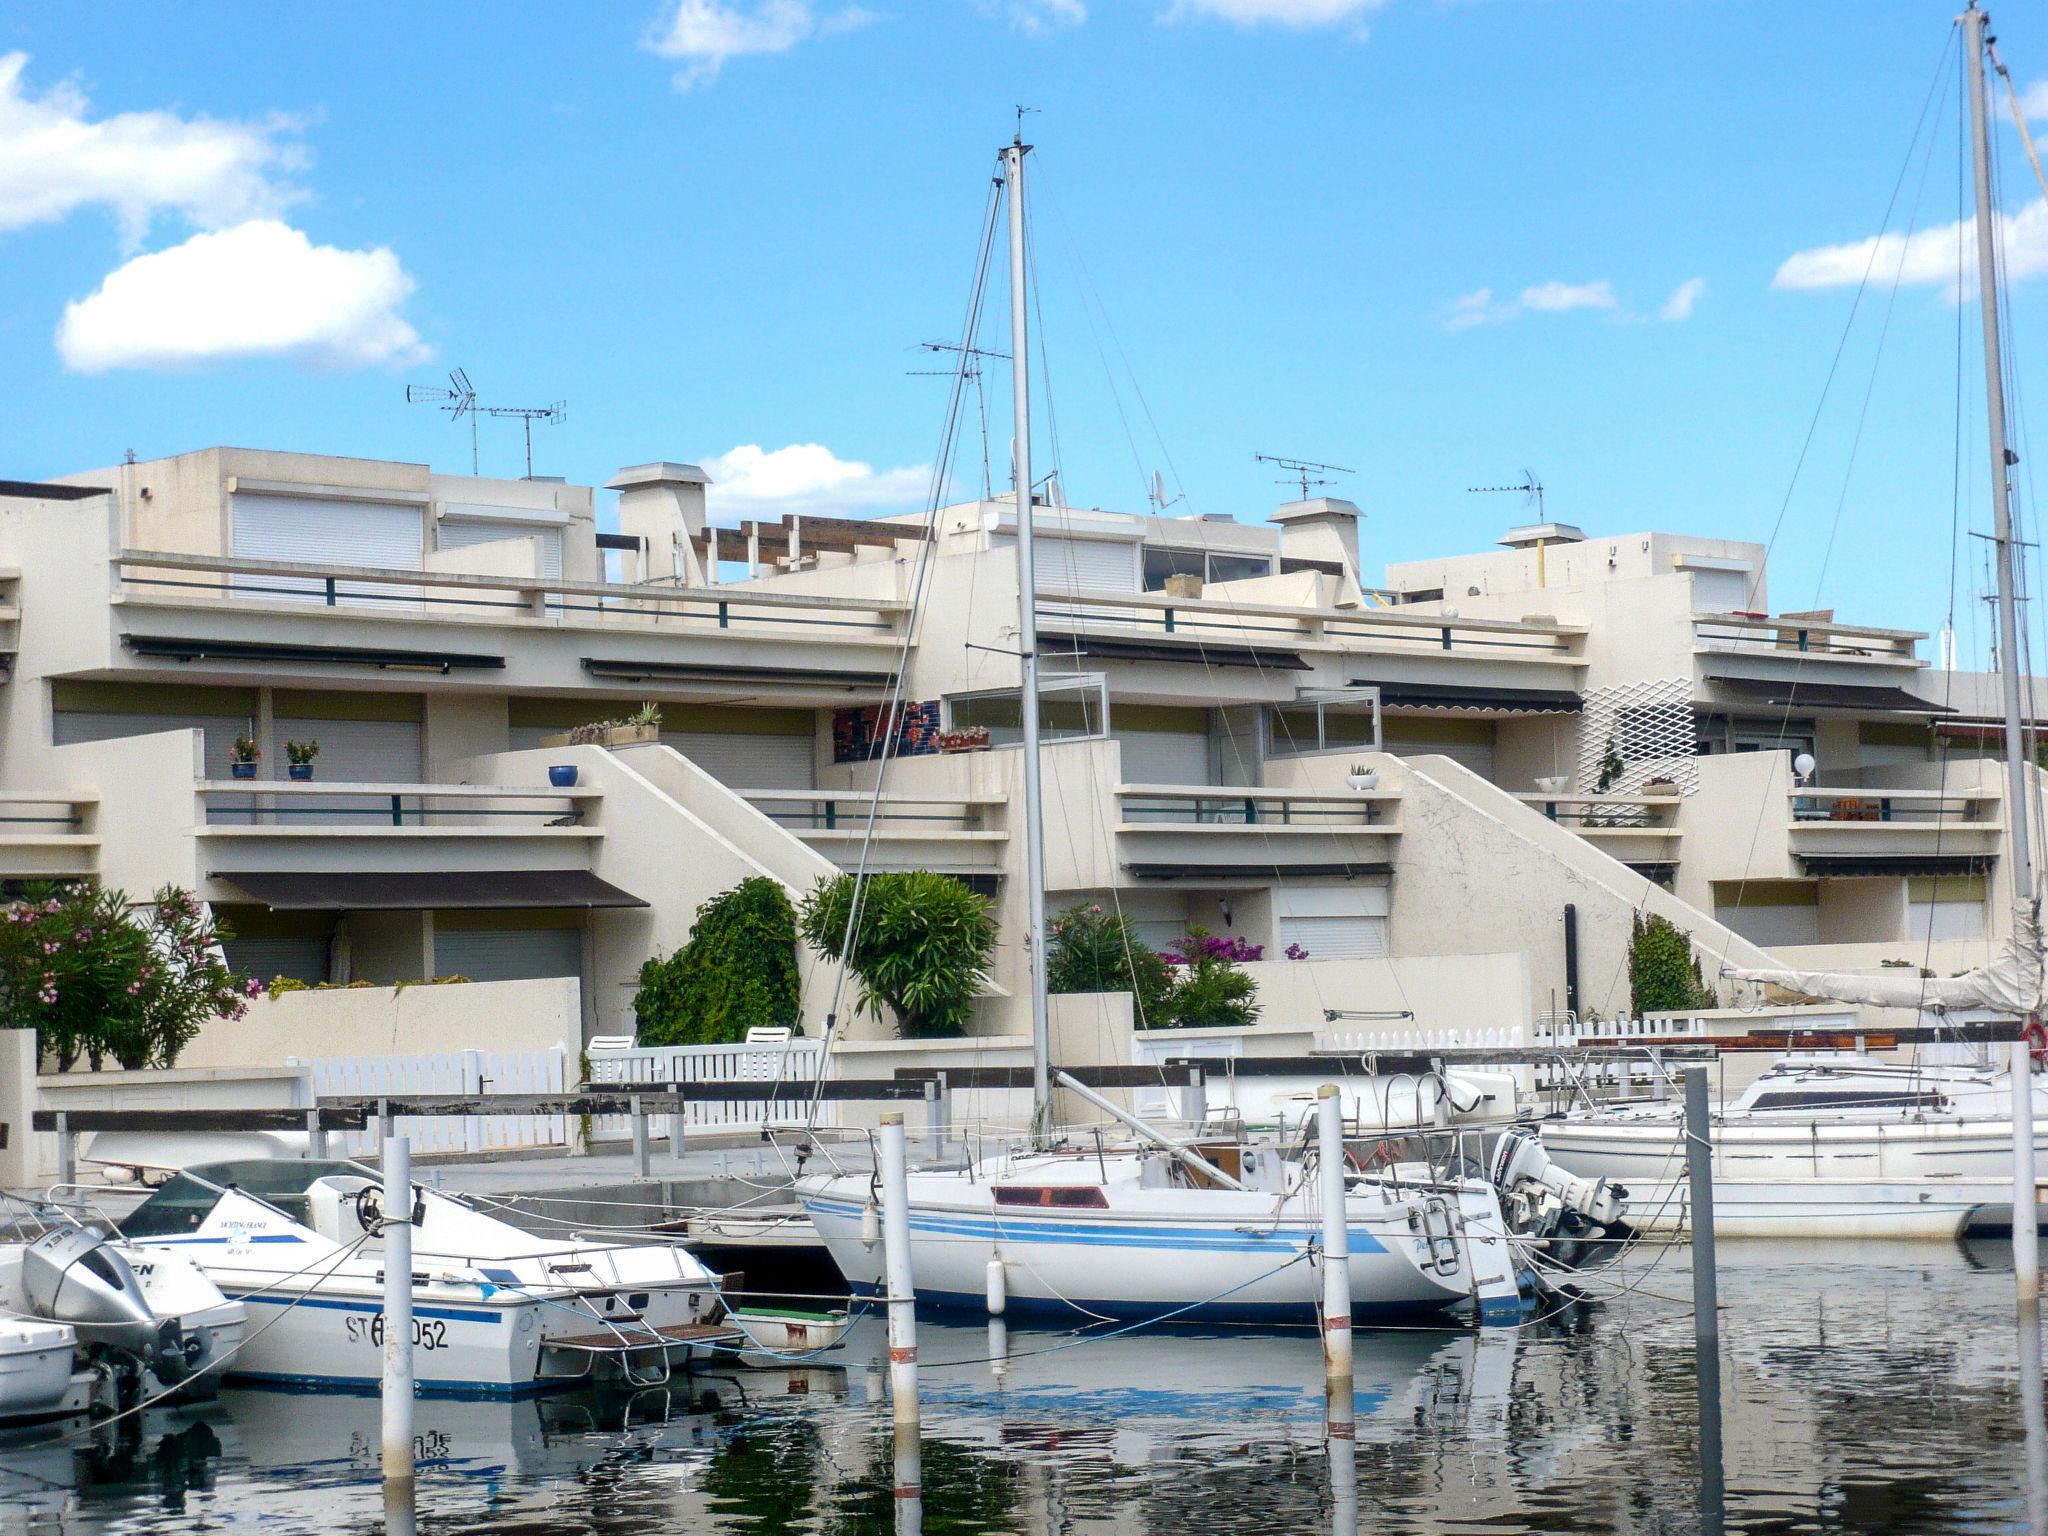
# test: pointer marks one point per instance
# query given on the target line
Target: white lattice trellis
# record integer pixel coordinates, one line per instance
(1651, 726)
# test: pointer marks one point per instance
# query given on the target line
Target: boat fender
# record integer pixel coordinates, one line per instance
(2036, 1036)
(870, 1225)
(998, 1288)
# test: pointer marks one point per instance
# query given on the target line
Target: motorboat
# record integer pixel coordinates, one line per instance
(1819, 1145)
(89, 1323)
(496, 1310)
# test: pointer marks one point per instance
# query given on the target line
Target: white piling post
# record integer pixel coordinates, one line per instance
(643, 1167)
(2026, 1242)
(1699, 1165)
(1341, 1425)
(1336, 1241)
(397, 1311)
(909, 1469)
(899, 1285)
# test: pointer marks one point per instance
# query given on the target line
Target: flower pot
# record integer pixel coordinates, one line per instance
(242, 770)
(300, 771)
(1660, 787)
(562, 775)
(1554, 784)
(1370, 779)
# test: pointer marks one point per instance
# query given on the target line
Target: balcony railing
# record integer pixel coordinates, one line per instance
(290, 807)
(1977, 808)
(1368, 629)
(165, 575)
(1179, 807)
(1760, 635)
(47, 834)
(846, 811)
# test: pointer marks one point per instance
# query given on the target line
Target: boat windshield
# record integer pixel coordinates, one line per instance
(182, 1203)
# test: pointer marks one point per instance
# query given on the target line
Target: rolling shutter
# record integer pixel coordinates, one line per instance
(1165, 757)
(358, 751)
(302, 959)
(1082, 565)
(75, 725)
(508, 954)
(1346, 922)
(464, 535)
(1468, 743)
(742, 760)
(321, 532)
(1721, 591)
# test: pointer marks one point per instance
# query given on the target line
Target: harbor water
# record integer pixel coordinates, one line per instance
(1862, 1389)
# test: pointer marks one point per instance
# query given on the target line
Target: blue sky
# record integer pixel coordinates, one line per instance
(720, 225)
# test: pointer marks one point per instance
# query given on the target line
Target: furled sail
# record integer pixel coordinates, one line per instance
(2012, 983)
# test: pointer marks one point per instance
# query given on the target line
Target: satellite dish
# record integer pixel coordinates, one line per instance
(1158, 491)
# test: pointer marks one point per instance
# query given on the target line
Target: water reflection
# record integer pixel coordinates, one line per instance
(1888, 1390)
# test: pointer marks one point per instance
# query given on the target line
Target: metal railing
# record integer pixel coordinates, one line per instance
(846, 810)
(1915, 807)
(265, 802)
(1787, 634)
(1167, 805)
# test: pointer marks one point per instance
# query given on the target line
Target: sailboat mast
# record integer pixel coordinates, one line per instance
(2001, 469)
(1027, 648)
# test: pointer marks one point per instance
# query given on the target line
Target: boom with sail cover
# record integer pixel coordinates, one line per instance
(2012, 983)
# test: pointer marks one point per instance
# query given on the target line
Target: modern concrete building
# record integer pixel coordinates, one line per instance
(1605, 724)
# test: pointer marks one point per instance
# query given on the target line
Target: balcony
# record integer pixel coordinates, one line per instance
(1841, 831)
(1639, 830)
(1168, 831)
(948, 833)
(47, 835)
(1792, 636)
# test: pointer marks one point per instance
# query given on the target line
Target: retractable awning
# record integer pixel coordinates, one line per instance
(1253, 870)
(1106, 648)
(362, 891)
(1801, 694)
(179, 648)
(633, 670)
(1466, 696)
(1849, 866)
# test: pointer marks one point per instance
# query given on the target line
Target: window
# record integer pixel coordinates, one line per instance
(1068, 708)
(1070, 1196)
(1161, 561)
(1238, 567)
(1945, 907)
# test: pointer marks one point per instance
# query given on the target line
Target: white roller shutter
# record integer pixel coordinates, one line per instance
(75, 725)
(321, 532)
(1720, 591)
(1347, 922)
(745, 761)
(358, 751)
(1475, 755)
(508, 954)
(466, 535)
(1165, 757)
(1083, 565)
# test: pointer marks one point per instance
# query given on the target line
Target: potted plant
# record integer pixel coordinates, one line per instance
(643, 725)
(970, 738)
(1660, 786)
(1362, 778)
(242, 757)
(301, 754)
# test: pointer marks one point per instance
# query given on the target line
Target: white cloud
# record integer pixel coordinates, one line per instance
(259, 289)
(706, 33)
(2034, 100)
(1556, 298)
(1475, 308)
(1679, 306)
(55, 159)
(1035, 17)
(1279, 13)
(1926, 259)
(809, 477)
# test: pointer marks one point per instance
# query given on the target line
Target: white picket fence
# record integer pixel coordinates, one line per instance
(456, 1074)
(795, 1061)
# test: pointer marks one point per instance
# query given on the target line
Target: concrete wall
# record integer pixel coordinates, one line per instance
(385, 1021)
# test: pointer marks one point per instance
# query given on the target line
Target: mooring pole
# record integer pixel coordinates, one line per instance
(899, 1286)
(909, 1482)
(2026, 1241)
(397, 1311)
(1341, 1424)
(1336, 1242)
(643, 1166)
(1699, 1170)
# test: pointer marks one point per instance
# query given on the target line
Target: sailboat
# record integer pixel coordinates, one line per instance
(1154, 1226)
(1833, 1146)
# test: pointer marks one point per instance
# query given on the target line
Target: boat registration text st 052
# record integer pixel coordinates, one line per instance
(427, 1333)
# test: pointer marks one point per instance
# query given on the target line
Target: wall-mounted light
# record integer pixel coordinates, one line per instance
(1223, 906)
(1803, 766)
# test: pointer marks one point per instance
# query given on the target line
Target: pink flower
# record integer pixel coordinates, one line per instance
(134, 988)
(254, 987)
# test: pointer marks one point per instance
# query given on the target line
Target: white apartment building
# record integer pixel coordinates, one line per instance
(1215, 684)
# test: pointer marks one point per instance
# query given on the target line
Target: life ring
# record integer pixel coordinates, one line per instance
(2036, 1035)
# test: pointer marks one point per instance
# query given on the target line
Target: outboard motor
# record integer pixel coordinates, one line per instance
(1544, 1201)
(75, 1276)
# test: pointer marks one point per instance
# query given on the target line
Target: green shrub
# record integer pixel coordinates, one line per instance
(1209, 991)
(1095, 952)
(279, 985)
(922, 948)
(1663, 973)
(737, 972)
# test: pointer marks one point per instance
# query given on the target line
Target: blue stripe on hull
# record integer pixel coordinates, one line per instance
(1302, 1313)
(372, 1308)
(370, 1386)
(1111, 1234)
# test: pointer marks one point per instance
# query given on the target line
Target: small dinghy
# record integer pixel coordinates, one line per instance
(789, 1330)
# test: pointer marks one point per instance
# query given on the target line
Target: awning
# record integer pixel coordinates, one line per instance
(1266, 870)
(1801, 694)
(178, 648)
(1202, 653)
(1466, 696)
(1850, 866)
(626, 669)
(359, 891)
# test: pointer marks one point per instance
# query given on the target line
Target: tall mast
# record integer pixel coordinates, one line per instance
(2026, 1255)
(2001, 468)
(1027, 648)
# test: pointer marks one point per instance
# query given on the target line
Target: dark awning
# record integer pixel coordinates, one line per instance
(1801, 694)
(1266, 870)
(626, 669)
(178, 648)
(1518, 701)
(1848, 866)
(359, 891)
(1203, 653)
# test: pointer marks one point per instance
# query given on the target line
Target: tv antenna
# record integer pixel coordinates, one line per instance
(460, 401)
(1303, 470)
(1531, 491)
(971, 367)
(1158, 496)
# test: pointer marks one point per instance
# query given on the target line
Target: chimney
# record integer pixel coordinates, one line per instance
(662, 505)
(1323, 528)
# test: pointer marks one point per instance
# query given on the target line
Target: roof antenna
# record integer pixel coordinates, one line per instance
(1021, 110)
(1303, 470)
(971, 366)
(461, 400)
(1531, 489)
(1159, 498)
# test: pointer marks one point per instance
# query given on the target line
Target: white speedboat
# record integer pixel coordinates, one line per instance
(90, 1323)
(1132, 1233)
(495, 1309)
(1819, 1146)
